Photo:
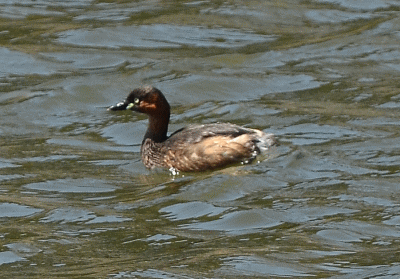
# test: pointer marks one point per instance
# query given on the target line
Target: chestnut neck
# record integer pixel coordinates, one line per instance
(158, 125)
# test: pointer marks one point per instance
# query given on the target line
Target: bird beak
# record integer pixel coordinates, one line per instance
(120, 106)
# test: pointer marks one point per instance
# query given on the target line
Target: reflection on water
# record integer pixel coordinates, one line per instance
(160, 36)
(254, 266)
(321, 75)
(17, 63)
(16, 210)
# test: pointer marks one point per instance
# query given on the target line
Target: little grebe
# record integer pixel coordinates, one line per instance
(196, 147)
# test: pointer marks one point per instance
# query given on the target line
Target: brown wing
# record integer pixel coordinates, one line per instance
(211, 152)
(205, 147)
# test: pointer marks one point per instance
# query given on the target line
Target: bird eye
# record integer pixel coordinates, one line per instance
(136, 100)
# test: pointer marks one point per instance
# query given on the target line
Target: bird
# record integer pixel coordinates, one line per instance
(194, 148)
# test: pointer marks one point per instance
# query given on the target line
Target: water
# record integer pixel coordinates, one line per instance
(76, 200)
